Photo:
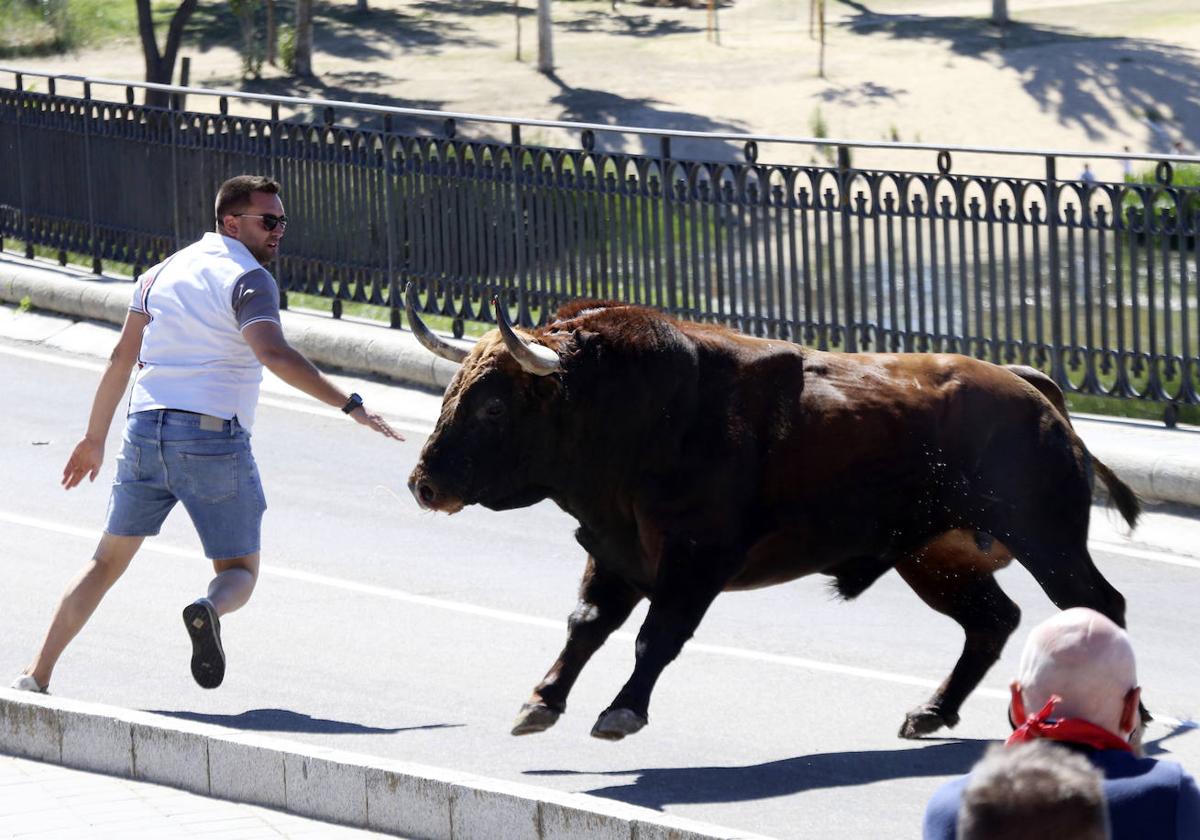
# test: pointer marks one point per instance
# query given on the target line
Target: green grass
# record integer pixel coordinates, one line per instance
(53, 27)
(1135, 409)
(438, 323)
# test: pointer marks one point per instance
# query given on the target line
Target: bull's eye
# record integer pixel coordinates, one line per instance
(494, 409)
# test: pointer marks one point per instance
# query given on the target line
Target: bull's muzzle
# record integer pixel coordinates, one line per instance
(429, 497)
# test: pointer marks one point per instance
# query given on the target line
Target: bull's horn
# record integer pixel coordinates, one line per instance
(431, 342)
(533, 358)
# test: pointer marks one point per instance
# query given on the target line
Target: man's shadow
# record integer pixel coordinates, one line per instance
(662, 786)
(284, 720)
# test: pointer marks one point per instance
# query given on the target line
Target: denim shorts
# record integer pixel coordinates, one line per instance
(166, 458)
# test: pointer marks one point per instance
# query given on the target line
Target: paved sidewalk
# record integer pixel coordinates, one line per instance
(49, 802)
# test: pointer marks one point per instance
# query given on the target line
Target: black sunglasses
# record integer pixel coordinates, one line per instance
(270, 222)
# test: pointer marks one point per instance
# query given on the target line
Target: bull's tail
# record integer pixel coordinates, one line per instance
(1122, 494)
(1119, 492)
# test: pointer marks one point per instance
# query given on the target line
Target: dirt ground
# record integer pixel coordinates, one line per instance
(1085, 75)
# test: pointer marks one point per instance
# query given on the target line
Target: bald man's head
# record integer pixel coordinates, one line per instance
(1085, 659)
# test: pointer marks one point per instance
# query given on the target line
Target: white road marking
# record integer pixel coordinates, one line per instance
(64, 361)
(273, 402)
(1144, 554)
(520, 618)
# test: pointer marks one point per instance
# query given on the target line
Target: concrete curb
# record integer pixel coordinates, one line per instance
(359, 347)
(410, 800)
(353, 346)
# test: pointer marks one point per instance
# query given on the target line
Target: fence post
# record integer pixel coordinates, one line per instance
(172, 105)
(668, 221)
(21, 171)
(1057, 368)
(386, 170)
(850, 343)
(97, 267)
(520, 231)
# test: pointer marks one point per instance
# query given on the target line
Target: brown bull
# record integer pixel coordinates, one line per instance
(698, 460)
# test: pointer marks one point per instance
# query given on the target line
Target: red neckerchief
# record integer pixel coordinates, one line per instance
(1073, 730)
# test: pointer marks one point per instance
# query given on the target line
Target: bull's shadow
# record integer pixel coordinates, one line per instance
(662, 786)
(285, 720)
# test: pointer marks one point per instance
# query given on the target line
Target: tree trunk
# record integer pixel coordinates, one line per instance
(517, 19)
(272, 34)
(362, 5)
(999, 11)
(304, 38)
(160, 67)
(545, 62)
(821, 25)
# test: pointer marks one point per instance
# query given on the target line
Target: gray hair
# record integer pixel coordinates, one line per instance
(1033, 791)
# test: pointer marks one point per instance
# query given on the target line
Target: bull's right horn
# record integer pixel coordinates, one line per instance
(431, 342)
(533, 358)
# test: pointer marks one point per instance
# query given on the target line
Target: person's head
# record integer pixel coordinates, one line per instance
(249, 210)
(1034, 791)
(1085, 659)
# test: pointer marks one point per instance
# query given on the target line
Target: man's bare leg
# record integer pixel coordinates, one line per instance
(234, 583)
(229, 590)
(83, 595)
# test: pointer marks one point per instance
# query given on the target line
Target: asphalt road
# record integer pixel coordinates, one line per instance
(384, 630)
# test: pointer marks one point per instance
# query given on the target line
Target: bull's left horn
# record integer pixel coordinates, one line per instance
(431, 342)
(533, 358)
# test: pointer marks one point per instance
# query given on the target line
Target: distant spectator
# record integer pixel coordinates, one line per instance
(1078, 671)
(1127, 166)
(1178, 149)
(1087, 175)
(1034, 791)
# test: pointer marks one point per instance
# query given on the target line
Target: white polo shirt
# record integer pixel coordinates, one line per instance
(193, 356)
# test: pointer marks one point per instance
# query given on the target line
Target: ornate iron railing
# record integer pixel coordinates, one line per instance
(1094, 282)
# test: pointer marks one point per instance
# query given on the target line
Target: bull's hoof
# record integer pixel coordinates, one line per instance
(925, 720)
(615, 724)
(534, 718)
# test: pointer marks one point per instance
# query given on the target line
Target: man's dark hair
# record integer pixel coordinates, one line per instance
(1034, 791)
(234, 194)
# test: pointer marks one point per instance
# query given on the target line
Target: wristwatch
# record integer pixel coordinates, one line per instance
(354, 402)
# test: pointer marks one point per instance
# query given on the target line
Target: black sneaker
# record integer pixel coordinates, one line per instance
(208, 657)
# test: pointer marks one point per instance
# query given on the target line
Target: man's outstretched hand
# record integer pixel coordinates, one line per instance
(85, 460)
(376, 422)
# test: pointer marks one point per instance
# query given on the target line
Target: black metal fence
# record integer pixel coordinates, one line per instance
(1095, 282)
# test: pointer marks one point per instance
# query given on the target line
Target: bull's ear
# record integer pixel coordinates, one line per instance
(547, 388)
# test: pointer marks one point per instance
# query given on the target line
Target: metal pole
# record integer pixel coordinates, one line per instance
(21, 171)
(1057, 368)
(171, 115)
(97, 268)
(845, 175)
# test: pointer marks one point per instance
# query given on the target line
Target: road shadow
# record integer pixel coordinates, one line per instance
(659, 787)
(1064, 69)
(341, 30)
(591, 105)
(284, 720)
(637, 26)
(866, 93)
(347, 86)
(477, 8)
